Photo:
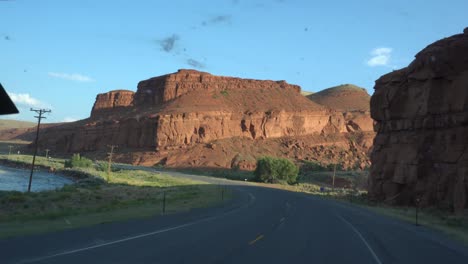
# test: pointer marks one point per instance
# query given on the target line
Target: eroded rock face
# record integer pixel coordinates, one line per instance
(187, 110)
(352, 101)
(188, 128)
(111, 102)
(421, 115)
(158, 90)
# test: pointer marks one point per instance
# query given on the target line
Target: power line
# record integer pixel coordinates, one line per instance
(39, 118)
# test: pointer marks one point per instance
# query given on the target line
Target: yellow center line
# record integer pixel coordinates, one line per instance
(256, 240)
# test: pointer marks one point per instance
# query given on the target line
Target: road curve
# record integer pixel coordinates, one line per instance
(260, 225)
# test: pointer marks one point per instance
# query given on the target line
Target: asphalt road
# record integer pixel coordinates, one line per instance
(260, 225)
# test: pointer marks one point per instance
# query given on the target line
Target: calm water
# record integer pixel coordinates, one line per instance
(18, 180)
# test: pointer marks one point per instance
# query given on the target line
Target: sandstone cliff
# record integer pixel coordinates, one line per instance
(421, 111)
(112, 102)
(188, 109)
(354, 103)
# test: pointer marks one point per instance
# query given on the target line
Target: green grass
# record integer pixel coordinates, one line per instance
(129, 194)
(40, 160)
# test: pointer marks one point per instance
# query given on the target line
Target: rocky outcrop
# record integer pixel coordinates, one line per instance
(188, 128)
(358, 121)
(111, 102)
(354, 103)
(187, 110)
(159, 90)
(421, 114)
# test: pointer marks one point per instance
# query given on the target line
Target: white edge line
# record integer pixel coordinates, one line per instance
(142, 235)
(362, 238)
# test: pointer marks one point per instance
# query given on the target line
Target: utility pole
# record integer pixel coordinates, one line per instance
(39, 118)
(333, 179)
(10, 147)
(47, 153)
(417, 210)
(110, 161)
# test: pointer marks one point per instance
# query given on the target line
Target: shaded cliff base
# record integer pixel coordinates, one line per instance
(348, 149)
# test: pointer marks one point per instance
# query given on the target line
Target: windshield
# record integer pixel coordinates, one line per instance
(233, 131)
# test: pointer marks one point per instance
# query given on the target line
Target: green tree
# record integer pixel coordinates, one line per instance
(276, 170)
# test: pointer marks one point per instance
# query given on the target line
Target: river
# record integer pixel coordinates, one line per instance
(18, 179)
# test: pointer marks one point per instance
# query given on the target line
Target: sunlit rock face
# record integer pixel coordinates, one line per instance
(421, 115)
(188, 108)
(111, 102)
(353, 102)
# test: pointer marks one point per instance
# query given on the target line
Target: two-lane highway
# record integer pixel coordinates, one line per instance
(261, 225)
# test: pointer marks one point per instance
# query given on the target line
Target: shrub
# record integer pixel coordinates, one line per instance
(16, 197)
(78, 162)
(103, 166)
(276, 170)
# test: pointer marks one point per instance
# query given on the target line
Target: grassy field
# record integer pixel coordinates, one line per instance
(129, 194)
(40, 160)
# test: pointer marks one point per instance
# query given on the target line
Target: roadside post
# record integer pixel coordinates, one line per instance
(417, 210)
(9, 150)
(164, 203)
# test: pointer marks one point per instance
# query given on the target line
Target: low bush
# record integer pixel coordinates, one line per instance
(78, 162)
(276, 170)
(103, 166)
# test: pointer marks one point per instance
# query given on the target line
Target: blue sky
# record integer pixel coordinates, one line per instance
(60, 54)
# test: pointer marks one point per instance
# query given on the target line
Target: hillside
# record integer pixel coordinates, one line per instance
(8, 124)
(346, 97)
(23, 131)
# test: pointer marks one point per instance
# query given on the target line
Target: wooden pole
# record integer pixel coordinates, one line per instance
(110, 162)
(39, 118)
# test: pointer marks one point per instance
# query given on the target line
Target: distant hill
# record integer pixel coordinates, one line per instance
(346, 97)
(20, 130)
(306, 93)
(9, 124)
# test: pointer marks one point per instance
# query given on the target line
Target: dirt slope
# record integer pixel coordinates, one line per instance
(346, 97)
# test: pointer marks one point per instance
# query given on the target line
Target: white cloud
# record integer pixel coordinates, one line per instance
(380, 57)
(72, 77)
(69, 119)
(25, 99)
